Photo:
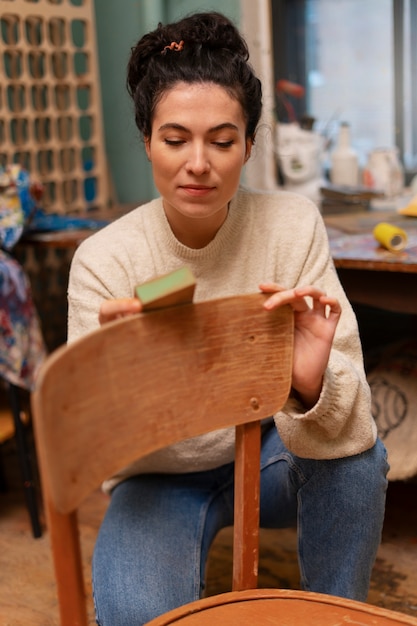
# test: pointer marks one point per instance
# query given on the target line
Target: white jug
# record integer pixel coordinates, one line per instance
(384, 171)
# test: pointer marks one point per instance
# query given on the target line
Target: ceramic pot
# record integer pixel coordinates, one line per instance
(384, 172)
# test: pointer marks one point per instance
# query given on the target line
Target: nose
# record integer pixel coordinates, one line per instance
(198, 162)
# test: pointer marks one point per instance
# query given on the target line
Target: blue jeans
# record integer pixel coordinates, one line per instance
(151, 551)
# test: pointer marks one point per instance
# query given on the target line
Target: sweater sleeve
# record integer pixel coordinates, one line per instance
(99, 271)
(86, 291)
(341, 423)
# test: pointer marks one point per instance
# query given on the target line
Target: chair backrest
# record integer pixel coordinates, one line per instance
(145, 382)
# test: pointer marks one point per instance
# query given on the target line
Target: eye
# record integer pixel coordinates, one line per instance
(223, 144)
(174, 142)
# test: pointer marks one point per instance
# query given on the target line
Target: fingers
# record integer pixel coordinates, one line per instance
(295, 297)
(282, 293)
(299, 297)
(280, 296)
(289, 296)
(270, 287)
(121, 307)
(332, 307)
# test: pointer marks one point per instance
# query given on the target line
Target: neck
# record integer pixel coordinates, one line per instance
(196, 232)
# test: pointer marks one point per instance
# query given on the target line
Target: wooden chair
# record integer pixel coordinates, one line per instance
(14, 423)
(280, 607)
(145, 382)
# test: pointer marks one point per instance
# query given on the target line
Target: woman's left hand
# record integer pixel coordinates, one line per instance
(315, 322)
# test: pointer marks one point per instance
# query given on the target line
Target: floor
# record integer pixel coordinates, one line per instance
(27, 594)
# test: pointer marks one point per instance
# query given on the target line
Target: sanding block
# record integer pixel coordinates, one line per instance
(177, 287)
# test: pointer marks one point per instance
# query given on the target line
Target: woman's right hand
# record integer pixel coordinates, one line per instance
(120, 307)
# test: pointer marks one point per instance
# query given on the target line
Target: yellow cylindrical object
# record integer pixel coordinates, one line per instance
(390, 237)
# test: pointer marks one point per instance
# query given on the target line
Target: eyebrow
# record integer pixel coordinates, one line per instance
(214, 129)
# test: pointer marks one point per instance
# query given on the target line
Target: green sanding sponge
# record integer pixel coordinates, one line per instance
(177, 287)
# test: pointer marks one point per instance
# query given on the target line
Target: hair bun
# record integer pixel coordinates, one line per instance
(209, 30)
(203, 47)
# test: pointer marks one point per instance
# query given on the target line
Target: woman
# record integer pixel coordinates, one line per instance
(197, 105)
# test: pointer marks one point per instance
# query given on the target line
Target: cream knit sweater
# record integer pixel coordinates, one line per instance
(278, 237)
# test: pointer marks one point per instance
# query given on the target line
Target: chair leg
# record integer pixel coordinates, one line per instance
(3, 480)
(24, 460)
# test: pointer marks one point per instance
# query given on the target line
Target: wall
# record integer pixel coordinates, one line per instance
(119, 24)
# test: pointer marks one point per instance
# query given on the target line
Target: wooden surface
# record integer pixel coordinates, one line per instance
(363, 252)
(93, 391)
(221, 345)
(246, 506)
(353, 245)
(6, 425)
(391, 291)
(71, 238)
(57, 239)
(280, 606)
(364, 221)
(370, 274)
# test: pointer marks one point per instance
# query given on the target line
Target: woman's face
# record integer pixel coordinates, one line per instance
(197, 148)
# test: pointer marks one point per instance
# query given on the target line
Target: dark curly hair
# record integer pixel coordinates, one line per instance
(213, 51)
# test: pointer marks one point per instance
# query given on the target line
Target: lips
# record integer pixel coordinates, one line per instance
(197, 190)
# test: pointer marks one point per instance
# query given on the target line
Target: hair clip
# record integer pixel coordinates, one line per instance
(177, 47)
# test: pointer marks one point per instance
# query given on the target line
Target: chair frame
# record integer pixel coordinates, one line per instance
(26, 455)
(289, 608)
(142, 383)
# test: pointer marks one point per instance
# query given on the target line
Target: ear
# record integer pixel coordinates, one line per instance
(147, 141)
(249, 144)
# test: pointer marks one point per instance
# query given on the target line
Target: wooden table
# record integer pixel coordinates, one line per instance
(68, 239)
(370, 274)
